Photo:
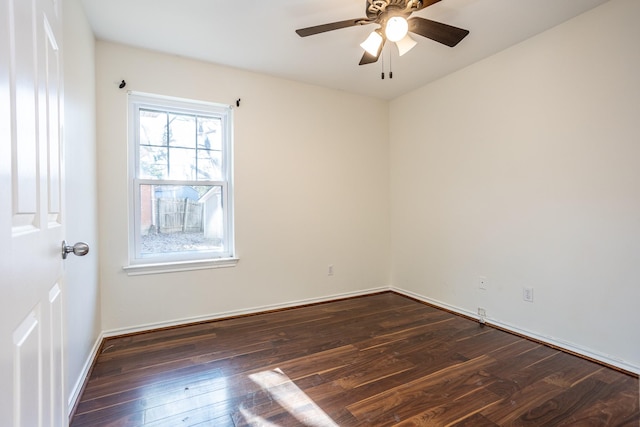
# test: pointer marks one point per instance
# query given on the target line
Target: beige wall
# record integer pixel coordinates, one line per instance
(82, 302)
(311, 189)
(524, 168)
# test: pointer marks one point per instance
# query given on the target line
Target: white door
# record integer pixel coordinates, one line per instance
(31, 217)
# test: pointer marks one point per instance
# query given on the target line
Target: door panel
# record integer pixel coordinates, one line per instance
(56, 328)
(24, 144)
(27, 371)
(32, 341)
(51, 84)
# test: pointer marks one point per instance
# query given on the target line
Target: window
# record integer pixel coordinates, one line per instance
(180, 176)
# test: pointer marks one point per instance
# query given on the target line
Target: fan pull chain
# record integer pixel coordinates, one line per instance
(382, 66)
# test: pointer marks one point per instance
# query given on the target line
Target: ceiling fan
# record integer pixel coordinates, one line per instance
(395, 24)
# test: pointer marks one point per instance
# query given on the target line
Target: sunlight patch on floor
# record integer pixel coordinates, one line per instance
(290, 397)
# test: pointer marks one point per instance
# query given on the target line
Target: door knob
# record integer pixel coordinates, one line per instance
(79, 249)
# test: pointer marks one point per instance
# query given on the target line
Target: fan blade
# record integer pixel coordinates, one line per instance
(367, 58)
(442, 33)
(309, 31)
(426, 3)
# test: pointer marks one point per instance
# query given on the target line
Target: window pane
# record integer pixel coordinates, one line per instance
(153, 128)
(182, 131)
(153, 163)
(209, 165)
(177, 219)
(209, 133)
(182, 164)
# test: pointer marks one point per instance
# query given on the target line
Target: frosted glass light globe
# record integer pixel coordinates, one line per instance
(372, 43)
(396, 28)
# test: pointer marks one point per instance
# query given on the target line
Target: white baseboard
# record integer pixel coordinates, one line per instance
(241, 312)
(563, 345)
(74, 394)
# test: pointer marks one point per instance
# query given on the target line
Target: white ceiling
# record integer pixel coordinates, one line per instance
(259, 36)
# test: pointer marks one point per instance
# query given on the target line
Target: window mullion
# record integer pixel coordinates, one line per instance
(142, 181)
(196, 145)
(167, 141)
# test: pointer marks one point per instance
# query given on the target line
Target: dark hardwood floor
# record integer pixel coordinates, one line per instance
(380, 360)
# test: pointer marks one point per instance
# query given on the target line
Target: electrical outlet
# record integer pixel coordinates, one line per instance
(527, 294)
(330, 270)
(483, 283)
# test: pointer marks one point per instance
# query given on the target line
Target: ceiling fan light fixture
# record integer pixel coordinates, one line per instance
(373, 43)
(405, 44)
(394, 21)
(396, 28)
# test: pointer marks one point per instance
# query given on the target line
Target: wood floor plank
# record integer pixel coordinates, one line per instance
(474, 420)
(476, 345)
(378, 360)
(371, 368)
(359, 382)
(200, 417)
(154, 375)
(579, 398)
(519, 402)
(319, 362)
(186, 384)
(421, 393)
(618, 408)
(455, 410)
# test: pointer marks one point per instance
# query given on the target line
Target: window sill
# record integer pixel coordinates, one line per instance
(173, 267)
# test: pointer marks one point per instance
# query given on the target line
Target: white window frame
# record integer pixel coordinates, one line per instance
(195, 260)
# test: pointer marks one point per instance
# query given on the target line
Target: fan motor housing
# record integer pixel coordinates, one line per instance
(381, 10)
